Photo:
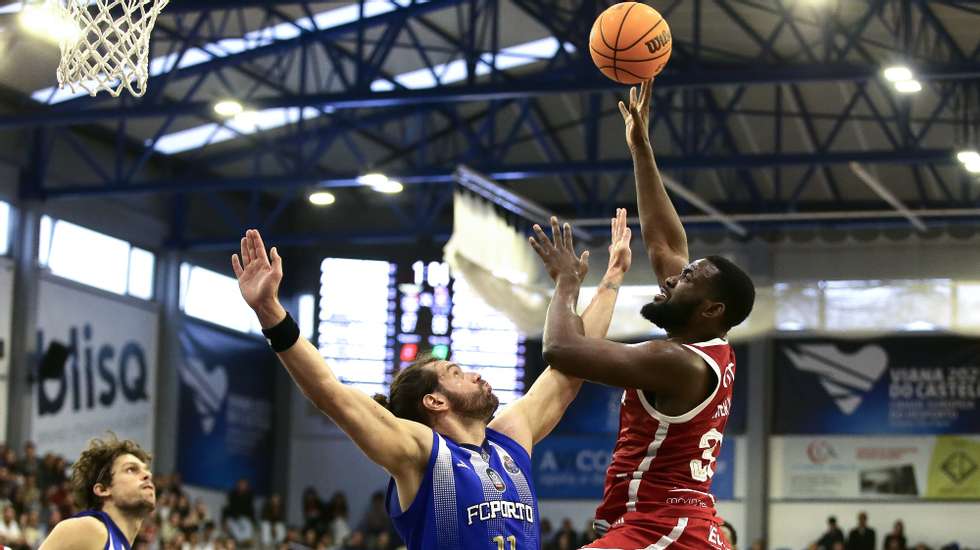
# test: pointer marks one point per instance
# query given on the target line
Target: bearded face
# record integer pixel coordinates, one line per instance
(670, 313)
(478, 405)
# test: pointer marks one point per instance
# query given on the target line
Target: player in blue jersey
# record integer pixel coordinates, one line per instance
(461, 477)
(111, 480)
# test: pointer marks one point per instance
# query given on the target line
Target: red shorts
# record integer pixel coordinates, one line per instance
(679, 534)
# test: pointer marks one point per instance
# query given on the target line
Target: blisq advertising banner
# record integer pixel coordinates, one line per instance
(924, 385)
(226, 399)
(110, 373)
(944, 467)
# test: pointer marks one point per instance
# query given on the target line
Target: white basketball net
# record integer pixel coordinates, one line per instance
(112, 46)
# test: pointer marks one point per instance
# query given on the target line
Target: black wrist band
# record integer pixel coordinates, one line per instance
(282, 336)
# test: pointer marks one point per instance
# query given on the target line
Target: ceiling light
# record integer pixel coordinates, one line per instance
(968, 157)
(45, 21)
(973, 167)
(898, 73)
(372, 180)
(249, 120)
(389, 187)
(228, 108)
(322, 198)
(908, 86)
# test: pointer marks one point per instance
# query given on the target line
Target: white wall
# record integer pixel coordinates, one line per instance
(794, 525)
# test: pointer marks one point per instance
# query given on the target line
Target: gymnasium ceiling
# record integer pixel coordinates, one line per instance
(771, 114)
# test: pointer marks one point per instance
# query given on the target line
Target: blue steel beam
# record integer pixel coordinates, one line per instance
(514, 172)
(537, 85)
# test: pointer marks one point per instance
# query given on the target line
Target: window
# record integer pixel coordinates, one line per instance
(968, 304)
(896, 305)
(215, 298)
(95, 259)
(797, 306)
(4, 228)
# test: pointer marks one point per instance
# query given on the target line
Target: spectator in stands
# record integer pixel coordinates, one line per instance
(547, 531)
(29, 496)
(355, 541)
(240, 512)
(30, 524)
(375, 519)
(566, 529)
(589, 534)
(313, 511)
(170, 528)
(10, 533)
(8, 486)
(384, 541)
(339, 525)
(10, 459)
(832, 535)
(272, 523)
(861, 537)
(896, 539)
(29, 464)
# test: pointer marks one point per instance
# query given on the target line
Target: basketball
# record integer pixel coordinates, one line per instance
(630, 42)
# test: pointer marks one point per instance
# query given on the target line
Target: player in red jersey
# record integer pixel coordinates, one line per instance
(678, 391)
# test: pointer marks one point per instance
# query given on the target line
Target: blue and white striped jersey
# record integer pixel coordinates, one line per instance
(471, 497)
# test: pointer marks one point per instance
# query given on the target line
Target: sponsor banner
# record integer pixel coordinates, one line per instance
(6, 310)
(572, 466)
(908, 385)
(880, 468)
(225, 408)
(110, 375)
(954, 471)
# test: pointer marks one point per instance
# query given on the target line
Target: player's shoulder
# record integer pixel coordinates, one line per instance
(78, 533)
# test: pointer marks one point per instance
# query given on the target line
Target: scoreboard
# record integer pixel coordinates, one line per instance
(376, 317)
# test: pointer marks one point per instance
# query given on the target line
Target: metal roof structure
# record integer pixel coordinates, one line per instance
(771, 113)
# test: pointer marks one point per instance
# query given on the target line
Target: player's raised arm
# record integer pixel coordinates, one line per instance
(654, 365)
(399, 446)
(663, 234)
(532, 417)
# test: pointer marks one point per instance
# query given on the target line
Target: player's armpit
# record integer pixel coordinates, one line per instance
(664, 367)
(85, 533)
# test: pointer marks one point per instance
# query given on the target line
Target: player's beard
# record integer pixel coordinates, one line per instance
(669, 315)
(479, 405)
(137, 506)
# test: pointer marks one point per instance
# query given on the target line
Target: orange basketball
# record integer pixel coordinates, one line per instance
(630, 42)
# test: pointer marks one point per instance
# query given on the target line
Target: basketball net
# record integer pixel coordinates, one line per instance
(108, 45)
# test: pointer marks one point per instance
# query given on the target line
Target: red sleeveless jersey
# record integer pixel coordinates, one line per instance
(662, 465)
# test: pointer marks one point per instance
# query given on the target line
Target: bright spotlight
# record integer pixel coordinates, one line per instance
(898, 73)
(47, 22)
(322, 198)
(389, 187)
(973, 167)
(372, 180)
(968, 157)
(908, 86)
(228, 108)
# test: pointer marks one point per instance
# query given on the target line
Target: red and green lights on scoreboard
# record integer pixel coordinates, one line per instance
(401, 310)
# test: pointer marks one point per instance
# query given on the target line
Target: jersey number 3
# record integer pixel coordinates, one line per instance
(700, 470)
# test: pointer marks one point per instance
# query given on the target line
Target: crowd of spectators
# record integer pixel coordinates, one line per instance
(864, 537)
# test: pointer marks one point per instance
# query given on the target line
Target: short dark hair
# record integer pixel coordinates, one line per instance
(409, 387)
(733, 287)
(94, 467)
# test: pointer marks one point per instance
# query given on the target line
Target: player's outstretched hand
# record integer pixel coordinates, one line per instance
(637, 116)
(258, 277)
(620, 254)
(558, 253)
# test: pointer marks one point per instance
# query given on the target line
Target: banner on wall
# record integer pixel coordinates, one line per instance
(226, 399)
(881, 468)
(909, 385)
(110, 374)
